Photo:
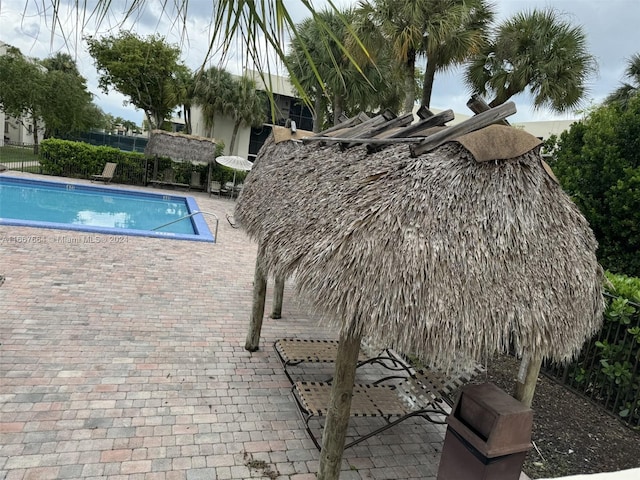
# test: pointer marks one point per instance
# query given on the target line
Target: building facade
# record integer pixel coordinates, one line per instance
(17, 131)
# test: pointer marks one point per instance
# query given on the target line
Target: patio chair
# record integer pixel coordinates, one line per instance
(296, 351)
(195, 181)
(216, 187)
(425, 393)
(107, 173)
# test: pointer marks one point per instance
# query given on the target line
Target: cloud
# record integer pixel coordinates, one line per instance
(610, 26)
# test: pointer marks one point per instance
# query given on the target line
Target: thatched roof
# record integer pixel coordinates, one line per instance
(438, 254)
(181, 147)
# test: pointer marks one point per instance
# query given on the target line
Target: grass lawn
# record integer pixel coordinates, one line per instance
(12, 154)
(13, 157)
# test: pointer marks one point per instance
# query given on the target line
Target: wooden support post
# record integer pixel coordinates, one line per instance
(527, 378)
(278, 294)
(257, 312)
(335, 429)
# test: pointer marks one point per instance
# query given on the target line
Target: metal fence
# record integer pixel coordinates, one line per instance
(607, 371)
(121, 142)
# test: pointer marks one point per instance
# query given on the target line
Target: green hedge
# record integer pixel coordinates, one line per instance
(67, 158)
(81, 160)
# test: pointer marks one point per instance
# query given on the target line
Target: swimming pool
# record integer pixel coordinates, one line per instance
(107, 210)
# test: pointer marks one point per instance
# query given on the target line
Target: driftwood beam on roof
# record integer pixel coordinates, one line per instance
(376, 121)
(477, 122)
(424, 113)
(477, 105)
(360, 118)
(417, 129)
(355, 130)
(401, 121)
(410, 134)
(373, 141)
(394, 123)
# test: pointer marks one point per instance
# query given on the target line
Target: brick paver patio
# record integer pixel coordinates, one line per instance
(123, 358)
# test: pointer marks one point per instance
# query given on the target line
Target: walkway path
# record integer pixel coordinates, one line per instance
(122, 358)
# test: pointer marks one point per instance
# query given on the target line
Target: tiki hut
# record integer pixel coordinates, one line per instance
(448, 245)
(181, 147)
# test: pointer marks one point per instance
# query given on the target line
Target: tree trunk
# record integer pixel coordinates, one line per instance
(236, 127)
(335, 429)
(338, 108)
(278, 294)
(187, 119)
(319, 107)
(527, 378)
(36, 145)
(427, 86)
(257, 312)
(409, 83)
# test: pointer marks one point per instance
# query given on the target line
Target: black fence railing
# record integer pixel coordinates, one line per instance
(121, 142)
(607, 371)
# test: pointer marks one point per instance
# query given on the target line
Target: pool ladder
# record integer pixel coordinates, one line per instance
(215, 235)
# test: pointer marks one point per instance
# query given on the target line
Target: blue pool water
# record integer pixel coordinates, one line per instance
(32, 203)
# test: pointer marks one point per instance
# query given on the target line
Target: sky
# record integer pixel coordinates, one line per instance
(610, 26)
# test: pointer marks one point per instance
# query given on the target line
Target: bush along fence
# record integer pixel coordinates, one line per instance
(66, 158)
(71, 159)
(607, 371)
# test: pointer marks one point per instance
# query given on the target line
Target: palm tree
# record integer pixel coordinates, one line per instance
(214, 93)
(247, 108)
(454, 30)
(537, 51)
(626, 91)
(184, 91)
(398, 24)
(445, 32)
(345, 89)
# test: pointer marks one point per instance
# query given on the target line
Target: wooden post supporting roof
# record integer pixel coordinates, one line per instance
(278, 294)
(527, 379)
(335, 428)
(257, 312)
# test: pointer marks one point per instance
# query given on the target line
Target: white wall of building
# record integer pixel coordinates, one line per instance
(223, 130)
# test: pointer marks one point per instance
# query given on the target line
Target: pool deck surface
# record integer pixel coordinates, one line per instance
(123, 358)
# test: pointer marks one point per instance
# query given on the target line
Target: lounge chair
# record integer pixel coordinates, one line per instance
(417, 393)
(296, 351)
(107, 173)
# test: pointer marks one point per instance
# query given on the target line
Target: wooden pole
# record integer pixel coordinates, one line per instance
(278, 294)
(257, 312)
(335, 429)
(527, 378)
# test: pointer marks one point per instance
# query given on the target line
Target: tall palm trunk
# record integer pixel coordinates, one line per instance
(187, 118)
(234, 135)
(427, 86)
(338, 108)
(409, 84)
(317, 115)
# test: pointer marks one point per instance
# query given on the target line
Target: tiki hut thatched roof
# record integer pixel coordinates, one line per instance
(436, 253)
(181, 147)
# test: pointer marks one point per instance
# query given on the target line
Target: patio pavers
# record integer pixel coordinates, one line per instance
(123, 358)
